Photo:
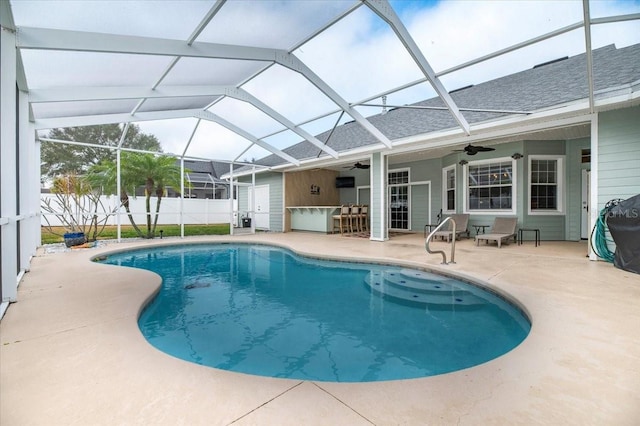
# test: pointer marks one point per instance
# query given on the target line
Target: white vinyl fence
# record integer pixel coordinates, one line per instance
(195, 211)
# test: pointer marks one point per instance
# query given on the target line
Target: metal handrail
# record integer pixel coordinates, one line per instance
(453, 243)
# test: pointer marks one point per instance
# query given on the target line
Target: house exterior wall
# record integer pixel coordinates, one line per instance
(561, 226)
(618, 155)
(552, 227)
(299, 192)
(377, 213)
(350, 195)
(420, 173)
(276, 197)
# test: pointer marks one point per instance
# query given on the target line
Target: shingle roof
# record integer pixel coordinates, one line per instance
(213, 168)
(549, 85)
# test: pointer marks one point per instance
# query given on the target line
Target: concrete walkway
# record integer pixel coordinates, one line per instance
(71, 352)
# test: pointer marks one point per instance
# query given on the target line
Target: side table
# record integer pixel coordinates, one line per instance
(480, 228)
(537, 235)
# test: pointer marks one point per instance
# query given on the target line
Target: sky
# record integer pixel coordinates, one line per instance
(359, 56)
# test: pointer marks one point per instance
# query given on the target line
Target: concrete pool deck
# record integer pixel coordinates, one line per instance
(71, 352)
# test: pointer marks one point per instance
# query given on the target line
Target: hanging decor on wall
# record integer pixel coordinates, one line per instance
(315, 190)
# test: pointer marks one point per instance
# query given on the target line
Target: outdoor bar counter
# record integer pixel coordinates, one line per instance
(313, 218)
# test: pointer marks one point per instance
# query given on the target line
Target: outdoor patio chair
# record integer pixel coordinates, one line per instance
(503, 229)
(462, 221)
(342, 220)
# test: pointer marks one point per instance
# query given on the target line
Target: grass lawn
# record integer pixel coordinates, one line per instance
(111, 232)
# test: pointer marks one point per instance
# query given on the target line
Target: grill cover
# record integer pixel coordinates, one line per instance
(623, 222)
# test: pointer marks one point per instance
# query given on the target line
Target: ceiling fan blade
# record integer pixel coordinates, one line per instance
(484, 148)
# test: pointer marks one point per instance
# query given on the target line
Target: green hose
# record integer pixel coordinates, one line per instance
(599, 240)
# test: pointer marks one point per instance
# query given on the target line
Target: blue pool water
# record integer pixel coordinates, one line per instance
(264, 310)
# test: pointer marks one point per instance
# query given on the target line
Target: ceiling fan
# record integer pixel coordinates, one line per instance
(474, 149)
(358, 165)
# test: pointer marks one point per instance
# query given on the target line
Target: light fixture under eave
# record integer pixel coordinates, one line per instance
(463, 162)
(516, 156)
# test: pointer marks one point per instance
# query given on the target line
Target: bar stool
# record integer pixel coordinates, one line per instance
(354, 218)
(363, 218)
(343, 219)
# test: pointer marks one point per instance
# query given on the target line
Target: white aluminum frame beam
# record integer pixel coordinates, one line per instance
(384, 10)
(85, 41)
(243, 95)
(125, 117)
(52, 39)
(68, 94)
(209, 116)
(587, 43)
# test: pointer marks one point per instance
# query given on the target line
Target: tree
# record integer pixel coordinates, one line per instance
(66, 159)
(77, 206)
(155, 173)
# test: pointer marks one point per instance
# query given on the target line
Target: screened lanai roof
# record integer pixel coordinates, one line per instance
(242, 80)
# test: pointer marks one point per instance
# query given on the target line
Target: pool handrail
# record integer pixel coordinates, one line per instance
(453, 242)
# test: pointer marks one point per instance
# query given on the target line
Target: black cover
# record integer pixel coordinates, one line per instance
(623, 221)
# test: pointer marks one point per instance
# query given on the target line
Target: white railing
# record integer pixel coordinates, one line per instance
(453, 242)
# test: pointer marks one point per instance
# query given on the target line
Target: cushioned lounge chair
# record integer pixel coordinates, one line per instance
(503, 229)
(462, 220)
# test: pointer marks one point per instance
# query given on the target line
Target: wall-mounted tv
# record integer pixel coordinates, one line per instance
(345, 182)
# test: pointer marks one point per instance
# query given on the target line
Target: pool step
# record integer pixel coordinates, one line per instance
(419, 281)
(422, 289)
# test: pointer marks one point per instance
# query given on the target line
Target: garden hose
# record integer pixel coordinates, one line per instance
(599, 240)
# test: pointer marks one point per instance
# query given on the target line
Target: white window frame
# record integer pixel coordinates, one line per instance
(446, 189)
(408, 185)
(560, 186)
(514, 188)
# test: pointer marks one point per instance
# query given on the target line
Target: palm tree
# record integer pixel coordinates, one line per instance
(156, 173)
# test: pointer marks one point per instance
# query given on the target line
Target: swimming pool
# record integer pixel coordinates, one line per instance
(265, 310)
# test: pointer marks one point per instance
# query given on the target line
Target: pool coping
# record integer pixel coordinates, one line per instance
(580, 363)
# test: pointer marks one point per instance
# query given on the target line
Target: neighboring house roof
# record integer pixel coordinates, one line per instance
(200, 169)
(541, 87)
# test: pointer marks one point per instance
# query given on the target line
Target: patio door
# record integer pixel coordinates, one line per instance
(399, 194)
(261, 210)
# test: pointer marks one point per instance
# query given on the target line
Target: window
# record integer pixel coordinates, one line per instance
(398, 177)
(491, 186)
(449, 189)
(545, 184)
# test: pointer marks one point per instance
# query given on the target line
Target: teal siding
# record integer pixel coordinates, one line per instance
(374, 211)
(551, 227)
(419, 202)
(618, 154)
(276, 197)
(424, 171)
(349, 195)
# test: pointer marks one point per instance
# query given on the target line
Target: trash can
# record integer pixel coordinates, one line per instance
(246, 222)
